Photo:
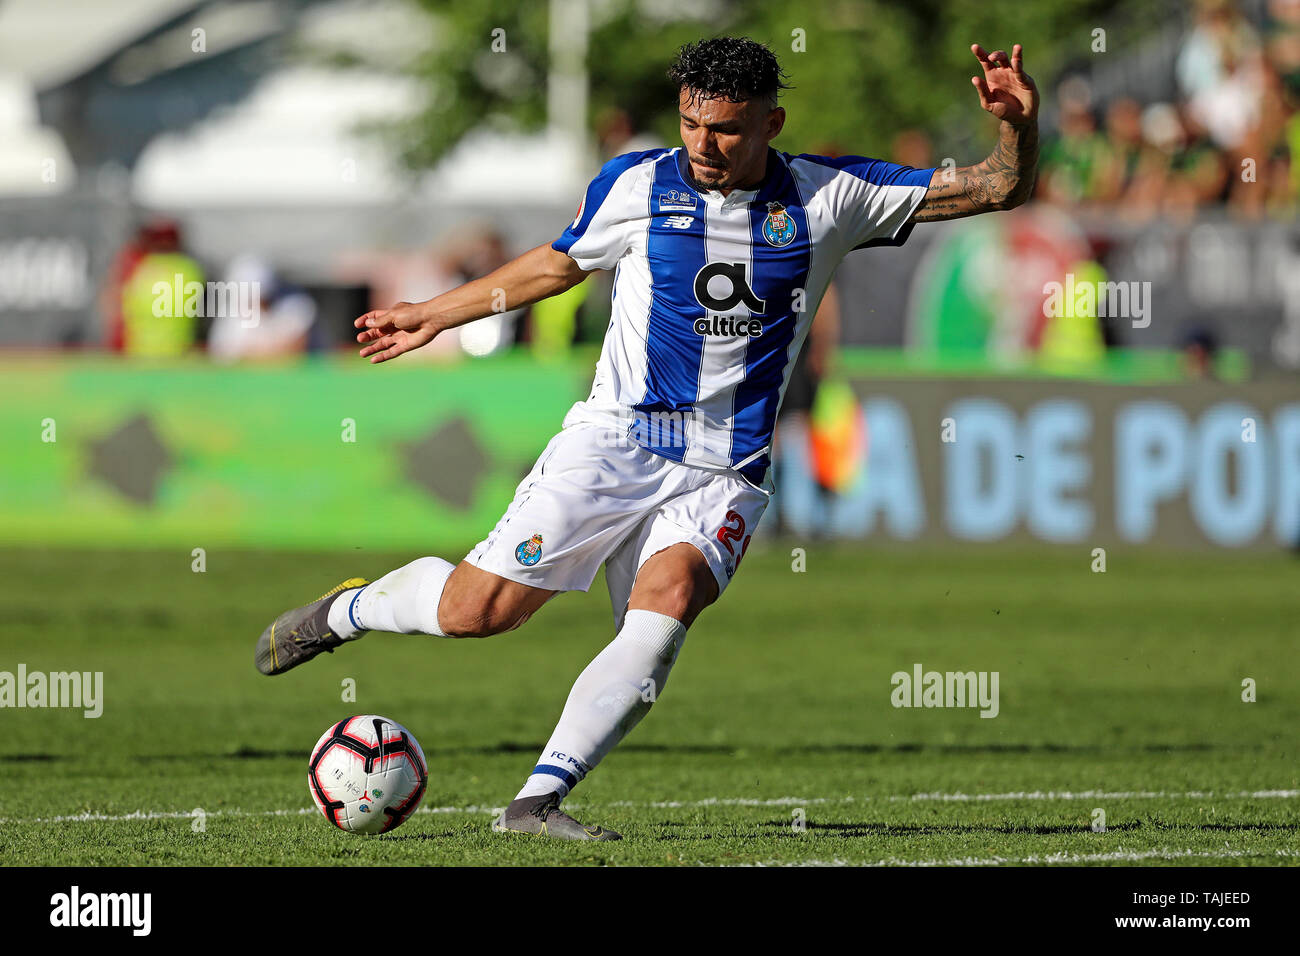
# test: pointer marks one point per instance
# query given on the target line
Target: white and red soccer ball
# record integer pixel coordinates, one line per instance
(367, 774)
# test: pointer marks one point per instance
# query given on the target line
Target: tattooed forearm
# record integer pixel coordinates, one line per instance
(1003, 181)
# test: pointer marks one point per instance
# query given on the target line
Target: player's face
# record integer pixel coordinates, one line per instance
(725, 142)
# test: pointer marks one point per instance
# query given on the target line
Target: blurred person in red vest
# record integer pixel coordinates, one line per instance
(142, 318)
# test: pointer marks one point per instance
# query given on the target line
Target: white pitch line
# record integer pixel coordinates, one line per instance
(475, 809)
(1130, 856)
(1103, 795)
(190, 814)
(1029, 795)
(723, 802)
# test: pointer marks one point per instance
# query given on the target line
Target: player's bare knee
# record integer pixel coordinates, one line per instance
(682, 597)
(456, 621)
(500, 614)
(462, 614)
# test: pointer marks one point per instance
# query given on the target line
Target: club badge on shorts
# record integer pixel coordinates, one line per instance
(778, 227)
(529, 552)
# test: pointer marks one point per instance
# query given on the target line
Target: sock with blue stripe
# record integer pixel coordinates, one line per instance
(404, 601)
(609, 698)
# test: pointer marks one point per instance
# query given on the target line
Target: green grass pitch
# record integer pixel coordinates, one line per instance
(1119, 691)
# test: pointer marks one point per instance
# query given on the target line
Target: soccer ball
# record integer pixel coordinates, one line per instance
(367, 774)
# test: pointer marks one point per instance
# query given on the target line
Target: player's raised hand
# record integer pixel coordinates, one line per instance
(388, 333)
(1005, 89)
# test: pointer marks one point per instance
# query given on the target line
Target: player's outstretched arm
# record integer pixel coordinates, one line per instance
(535, 275)
(1006, 178)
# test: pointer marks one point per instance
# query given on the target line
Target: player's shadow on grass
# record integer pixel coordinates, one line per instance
(1225, 827)
(31, 758)
(728, 750)
(442, 836)
(886, 829)
(784, 828)
(703, 750)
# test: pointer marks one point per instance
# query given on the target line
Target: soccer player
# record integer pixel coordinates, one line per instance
(722, 248)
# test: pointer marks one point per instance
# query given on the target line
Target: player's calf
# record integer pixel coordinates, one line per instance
(477, 603)
(676, 582)
(427, 596)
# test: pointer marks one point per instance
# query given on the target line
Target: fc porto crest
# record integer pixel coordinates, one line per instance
(778, 227)
(529, 552)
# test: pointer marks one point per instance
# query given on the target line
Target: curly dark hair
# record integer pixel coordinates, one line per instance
(735, 69)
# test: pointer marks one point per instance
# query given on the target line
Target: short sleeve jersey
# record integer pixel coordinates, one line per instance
(713, 295)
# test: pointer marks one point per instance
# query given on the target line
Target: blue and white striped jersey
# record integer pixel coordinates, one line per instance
(713, 295)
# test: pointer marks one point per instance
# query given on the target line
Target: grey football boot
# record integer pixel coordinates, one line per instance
(542, 816)
(299, 635)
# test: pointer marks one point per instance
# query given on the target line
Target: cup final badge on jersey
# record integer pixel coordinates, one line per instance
(676, 200)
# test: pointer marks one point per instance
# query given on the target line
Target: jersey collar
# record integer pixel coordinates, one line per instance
(738, 196)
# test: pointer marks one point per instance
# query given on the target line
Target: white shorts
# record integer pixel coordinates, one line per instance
(595, 497)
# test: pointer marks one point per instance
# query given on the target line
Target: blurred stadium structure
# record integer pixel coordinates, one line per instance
(222, 142)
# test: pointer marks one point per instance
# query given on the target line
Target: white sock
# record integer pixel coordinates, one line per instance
(404, 601)
(608, 699)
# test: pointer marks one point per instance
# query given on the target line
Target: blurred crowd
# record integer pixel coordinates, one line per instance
(159, 300)
(1228, 139)
(262, 316)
